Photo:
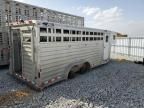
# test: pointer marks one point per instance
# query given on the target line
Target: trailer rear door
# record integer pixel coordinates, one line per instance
(23, 51)
(16, 51)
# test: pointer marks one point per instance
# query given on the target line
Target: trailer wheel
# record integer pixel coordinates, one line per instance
(85, 68)
(71, 75)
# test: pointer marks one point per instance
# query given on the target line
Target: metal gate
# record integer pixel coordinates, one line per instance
(131, 48)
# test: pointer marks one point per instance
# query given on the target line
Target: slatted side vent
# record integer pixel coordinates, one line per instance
(0, 19)
(1, 39)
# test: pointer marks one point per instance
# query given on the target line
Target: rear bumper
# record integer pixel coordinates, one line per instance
(36, 86)
(31, 84)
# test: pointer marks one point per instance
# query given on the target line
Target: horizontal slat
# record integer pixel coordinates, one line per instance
(27, 49)
(28, 66)
(65, 59)
(61, 44)
(54, 69)
(27, 54)
(26, 43)
(50, 73)
(46, 77)
(69, 53)
(45, 72)
(27, 46)
(28, 70)
(28, 62)
(68, 60)
(66, 46)
(70, 56)
(70, 50)
(28, 58)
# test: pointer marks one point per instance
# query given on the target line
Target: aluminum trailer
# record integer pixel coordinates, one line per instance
(43, 53)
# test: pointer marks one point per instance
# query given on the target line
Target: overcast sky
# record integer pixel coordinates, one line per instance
(126, 16)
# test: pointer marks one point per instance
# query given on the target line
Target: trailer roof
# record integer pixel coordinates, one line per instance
(42, 23)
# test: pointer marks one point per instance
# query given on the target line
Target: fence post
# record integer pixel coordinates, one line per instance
(129, 47)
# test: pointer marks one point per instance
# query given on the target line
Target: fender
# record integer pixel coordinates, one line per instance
(75, 63)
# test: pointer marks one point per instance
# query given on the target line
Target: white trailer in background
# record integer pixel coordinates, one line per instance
(44, 53)
(13, 11)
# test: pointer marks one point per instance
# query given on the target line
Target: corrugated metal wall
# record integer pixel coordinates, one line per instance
(54, 57)
(27, 66)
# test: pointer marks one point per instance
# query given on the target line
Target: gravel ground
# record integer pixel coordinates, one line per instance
(119, 84)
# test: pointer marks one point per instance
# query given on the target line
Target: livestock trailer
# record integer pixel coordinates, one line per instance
(43, 53)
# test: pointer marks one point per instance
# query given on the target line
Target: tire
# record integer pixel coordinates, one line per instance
(85, 68)
(71, 75)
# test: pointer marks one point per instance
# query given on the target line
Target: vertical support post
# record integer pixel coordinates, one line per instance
(10, 42)
(129, 47)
